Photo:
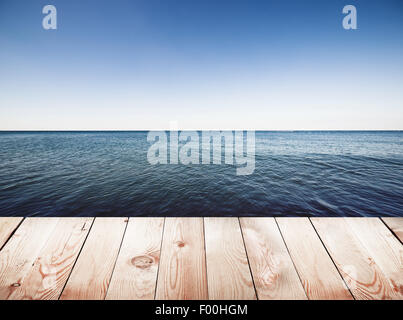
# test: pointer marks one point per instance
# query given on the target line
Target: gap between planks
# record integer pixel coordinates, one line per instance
(36, 261)
(7, 228)
(368, 256)
(232, 258)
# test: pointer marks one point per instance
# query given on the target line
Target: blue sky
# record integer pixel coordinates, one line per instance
(271, 65)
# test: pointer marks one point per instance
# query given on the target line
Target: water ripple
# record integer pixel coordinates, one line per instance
(107, 174)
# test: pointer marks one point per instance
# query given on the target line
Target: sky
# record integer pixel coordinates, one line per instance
(149, 65)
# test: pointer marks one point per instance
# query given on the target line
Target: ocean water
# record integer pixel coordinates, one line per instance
(107, 174)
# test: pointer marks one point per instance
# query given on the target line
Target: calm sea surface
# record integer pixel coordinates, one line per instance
(107, 174)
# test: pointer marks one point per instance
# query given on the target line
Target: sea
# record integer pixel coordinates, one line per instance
(108, 174)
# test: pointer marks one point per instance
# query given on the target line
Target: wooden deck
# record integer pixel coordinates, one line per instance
(201, 258)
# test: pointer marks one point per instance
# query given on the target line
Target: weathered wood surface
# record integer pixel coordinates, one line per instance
(386, 251)
(318, 274)
(182, 271)
(201, 258)
(7, 227)
(396, 225)
(48, 274)
(135, 274)
(272, 268)
(357, 262)
(228, 271)
(21, 251)
(93, 270)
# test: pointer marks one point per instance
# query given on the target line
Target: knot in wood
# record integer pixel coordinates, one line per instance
(180, 244)
(142, 262)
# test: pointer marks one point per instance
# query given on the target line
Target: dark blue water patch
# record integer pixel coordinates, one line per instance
(107, 174)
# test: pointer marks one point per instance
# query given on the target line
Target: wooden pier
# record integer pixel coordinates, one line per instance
(201, 258)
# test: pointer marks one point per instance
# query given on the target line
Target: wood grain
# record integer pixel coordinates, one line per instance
(384, 248)
(7, 227)
(135, 274)
(93, 270)
(182, 270)
(316, 270)
(196, 258)
(396, 225)
(21, 251)
(50, 271)
(228, 271)
(362, 274)
(273, 271)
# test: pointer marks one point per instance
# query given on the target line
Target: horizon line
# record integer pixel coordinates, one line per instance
(141, 130)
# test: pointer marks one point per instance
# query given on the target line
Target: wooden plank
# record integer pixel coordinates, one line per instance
(357, 266)
(93, 270)
(182, 270)
(316, 270)
(384, 248)
(53, 265)
(7, 227)
(273, 271)
(135, 274)
(396, 225)
(228, 271)
(20, 252)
